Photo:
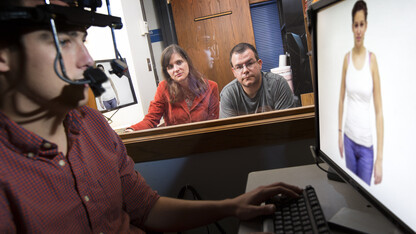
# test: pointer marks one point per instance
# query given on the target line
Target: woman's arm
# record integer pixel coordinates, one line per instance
(341, 105)
(378, 166)
(115, 91)
(214, 102)
(100, 100)
(169, 214)
(156, 109)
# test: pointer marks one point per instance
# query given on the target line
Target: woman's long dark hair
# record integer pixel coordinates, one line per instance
(358, 6)
(196, 82)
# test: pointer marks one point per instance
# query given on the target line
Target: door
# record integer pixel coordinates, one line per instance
(208, 30)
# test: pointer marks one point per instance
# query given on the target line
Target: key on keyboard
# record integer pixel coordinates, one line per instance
(303, 215)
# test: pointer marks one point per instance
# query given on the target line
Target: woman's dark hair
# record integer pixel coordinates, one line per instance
(358, 6)
(196, 82)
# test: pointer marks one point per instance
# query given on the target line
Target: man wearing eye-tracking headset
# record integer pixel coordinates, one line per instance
(253, 91)
(63, 169)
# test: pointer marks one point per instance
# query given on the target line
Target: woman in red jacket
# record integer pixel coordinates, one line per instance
(184, 96)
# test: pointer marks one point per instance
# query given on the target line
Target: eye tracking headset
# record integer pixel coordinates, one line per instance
(76, 14)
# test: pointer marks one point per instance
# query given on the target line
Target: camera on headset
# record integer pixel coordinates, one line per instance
(93, 4)
(119, 67)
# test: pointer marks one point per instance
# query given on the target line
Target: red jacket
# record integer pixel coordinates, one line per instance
(204, 107)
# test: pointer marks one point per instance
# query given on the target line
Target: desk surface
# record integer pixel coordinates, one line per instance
(332, 195)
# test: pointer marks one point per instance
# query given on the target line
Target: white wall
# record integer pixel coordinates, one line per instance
(154, 24)
(133, 46)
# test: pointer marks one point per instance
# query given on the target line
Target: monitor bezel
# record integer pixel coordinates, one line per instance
(312, 12)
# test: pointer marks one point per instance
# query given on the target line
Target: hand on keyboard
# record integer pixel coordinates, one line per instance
(280, 199)
(301, 215)
(248, 205)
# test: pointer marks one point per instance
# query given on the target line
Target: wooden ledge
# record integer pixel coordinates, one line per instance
(243, 131)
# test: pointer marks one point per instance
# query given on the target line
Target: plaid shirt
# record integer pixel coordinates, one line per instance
(93, 189)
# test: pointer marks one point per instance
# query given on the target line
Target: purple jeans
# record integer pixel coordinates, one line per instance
(359, 159)
(110, 104)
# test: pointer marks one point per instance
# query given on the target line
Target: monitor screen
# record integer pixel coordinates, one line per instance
(365, 112)
(119, 91)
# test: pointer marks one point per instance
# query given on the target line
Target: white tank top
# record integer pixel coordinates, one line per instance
(109, 92)
(359, 88)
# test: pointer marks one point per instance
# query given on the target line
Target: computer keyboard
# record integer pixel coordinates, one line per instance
(303, 215)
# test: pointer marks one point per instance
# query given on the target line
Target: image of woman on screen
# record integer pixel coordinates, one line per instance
(109, 99)
(360, 86)
(184, 96)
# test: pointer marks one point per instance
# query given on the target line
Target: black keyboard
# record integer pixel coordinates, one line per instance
(303, 215)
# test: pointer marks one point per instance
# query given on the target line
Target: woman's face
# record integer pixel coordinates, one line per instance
(178, 68)
(359, 27)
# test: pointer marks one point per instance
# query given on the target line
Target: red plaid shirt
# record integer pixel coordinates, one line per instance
(204, 107)
(94, 189)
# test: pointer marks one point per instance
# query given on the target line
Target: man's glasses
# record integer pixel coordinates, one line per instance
(249, 65)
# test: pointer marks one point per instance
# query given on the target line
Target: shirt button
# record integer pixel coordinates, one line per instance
(86, 198)
(30, 155)
(47, 145)
(61, 163)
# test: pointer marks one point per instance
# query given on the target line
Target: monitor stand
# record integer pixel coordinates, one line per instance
(357, 221)
(362, 222)
(331, 174)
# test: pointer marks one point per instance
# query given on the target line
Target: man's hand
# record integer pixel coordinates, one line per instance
(378, 172)
(341, 145)
(170, 214)
(248, 204)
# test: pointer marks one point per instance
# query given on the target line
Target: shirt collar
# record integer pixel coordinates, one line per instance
(24, 141)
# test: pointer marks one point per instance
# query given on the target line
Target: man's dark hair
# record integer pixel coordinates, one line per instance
(12, 37)
(358, 6)
(10, 3)
(241, 48)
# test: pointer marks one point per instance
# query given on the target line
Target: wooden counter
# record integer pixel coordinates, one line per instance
(274, 127)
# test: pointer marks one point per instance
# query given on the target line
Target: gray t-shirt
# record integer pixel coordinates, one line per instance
(274, 94)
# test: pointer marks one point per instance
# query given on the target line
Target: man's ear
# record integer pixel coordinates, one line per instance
(234, 72)
(4, 59)
(260, 62)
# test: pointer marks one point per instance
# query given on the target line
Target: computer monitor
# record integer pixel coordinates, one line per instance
(299, 63)
(389, 36)
(119, 91)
